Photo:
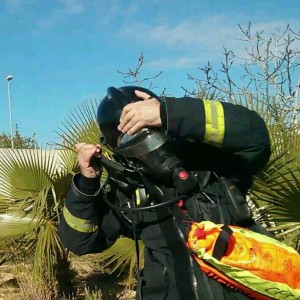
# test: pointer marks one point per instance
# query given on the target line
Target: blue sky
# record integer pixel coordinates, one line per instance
(61, 52)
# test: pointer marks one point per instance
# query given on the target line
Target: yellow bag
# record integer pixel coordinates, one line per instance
(257, 265)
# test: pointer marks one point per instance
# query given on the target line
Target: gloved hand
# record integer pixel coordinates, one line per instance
(184, 182)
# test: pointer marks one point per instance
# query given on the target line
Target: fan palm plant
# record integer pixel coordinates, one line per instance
(276, 190)
(33, 187)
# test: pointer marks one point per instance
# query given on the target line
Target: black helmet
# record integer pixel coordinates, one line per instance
(110, 109)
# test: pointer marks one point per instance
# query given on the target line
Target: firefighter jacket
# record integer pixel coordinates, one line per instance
(228, 140)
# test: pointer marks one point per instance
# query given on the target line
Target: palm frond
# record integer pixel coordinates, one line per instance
(121, 255)
(67, 162)
(13, 225)
(283, 202)
(81, 125)
(48, 247)
(25, 172)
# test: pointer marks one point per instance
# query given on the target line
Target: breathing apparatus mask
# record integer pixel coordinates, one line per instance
(148, 150)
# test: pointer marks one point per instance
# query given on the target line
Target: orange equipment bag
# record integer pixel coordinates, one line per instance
(257, 265)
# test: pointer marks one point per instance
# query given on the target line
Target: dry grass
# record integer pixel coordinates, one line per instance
(9, 287)
(89, 282)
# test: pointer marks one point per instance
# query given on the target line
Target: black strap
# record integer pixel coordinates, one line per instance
(137, 252)
(222, 242)
(175, 239)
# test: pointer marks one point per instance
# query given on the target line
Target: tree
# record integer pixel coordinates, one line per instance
(20, 142)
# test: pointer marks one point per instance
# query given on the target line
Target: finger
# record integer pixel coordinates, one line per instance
(128, 119)
(99, 147)
(86, 151)
(142, 95)
(132, 122)
(125, 123)
(128, 115)
(133, 130)
(127, 111)
(98, 152)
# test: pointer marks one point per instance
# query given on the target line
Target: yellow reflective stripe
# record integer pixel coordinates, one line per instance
(77, 223)
(214, 123)
(140, 196)
(137, 197)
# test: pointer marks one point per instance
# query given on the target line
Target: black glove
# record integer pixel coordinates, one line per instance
(184, 182)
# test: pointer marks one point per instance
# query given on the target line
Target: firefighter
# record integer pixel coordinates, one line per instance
(175, 160)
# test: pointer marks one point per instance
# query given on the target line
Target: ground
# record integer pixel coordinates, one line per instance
(9, 289)
(85, 275)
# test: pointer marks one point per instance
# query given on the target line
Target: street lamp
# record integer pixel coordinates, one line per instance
(9, 78)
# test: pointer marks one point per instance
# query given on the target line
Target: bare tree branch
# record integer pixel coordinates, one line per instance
(135, 74)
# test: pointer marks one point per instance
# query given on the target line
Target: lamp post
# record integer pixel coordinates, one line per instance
(9, 78)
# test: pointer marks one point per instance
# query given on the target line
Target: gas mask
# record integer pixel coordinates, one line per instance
(150, 151)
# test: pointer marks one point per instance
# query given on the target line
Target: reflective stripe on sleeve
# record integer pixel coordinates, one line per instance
(137, 196)
(141, 197)
(79, 224)
(214, 123)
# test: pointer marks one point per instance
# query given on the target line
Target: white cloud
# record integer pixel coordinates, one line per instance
(183, 35)
(187, 44)
(191, 43)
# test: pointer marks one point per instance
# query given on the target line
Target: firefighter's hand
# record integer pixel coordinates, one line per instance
(141, 114)
(85, 152)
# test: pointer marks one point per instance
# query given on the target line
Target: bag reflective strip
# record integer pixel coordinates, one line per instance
(79, 224)
(214, 123)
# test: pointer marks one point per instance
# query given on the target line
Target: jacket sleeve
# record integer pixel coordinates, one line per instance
(87, 225)
(233, 129)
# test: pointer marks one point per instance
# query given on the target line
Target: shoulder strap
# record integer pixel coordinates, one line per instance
(174, 235)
